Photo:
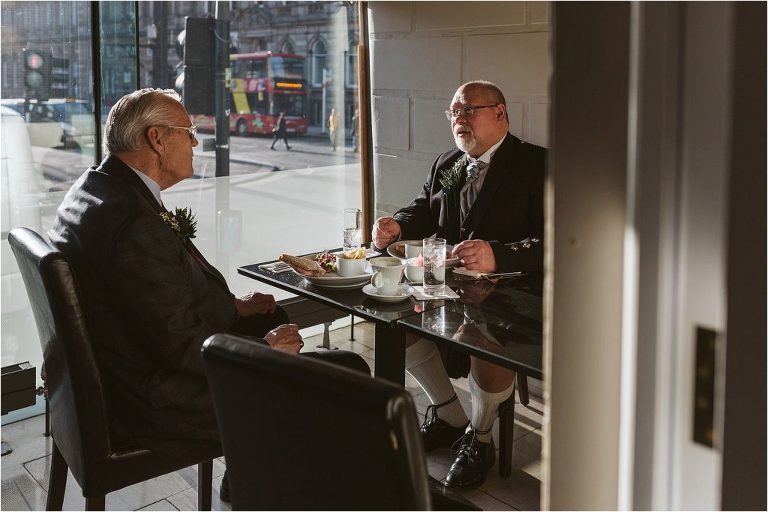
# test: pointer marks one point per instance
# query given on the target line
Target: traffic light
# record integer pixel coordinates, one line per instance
(37, 74)
(197, 84)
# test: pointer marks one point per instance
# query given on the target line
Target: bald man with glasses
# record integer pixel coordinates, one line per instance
(494, 217)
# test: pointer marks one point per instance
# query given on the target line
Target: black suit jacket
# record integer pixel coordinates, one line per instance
(149, 303)
(508, 211)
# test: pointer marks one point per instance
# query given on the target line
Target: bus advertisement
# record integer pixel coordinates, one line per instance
(263, 84)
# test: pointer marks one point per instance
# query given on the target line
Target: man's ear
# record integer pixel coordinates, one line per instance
(155, 139)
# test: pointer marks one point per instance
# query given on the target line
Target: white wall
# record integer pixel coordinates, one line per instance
(421, 52)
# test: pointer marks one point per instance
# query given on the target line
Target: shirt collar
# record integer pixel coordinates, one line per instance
(486, 157)
(151, 184)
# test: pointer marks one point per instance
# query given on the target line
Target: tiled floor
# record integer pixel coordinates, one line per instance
(25, 470)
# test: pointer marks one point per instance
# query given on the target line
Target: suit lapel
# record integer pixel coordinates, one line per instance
(497, 172)
(117, 168)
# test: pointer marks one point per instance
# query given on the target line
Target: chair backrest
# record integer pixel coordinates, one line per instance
(303, 434)
(79, 423)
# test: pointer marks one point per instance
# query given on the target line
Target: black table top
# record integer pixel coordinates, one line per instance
(353, 301)
(500, 323)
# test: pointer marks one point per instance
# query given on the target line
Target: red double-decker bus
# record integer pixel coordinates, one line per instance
(263, 84)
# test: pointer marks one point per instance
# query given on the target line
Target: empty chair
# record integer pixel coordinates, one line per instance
(303, 434)
(79, 414)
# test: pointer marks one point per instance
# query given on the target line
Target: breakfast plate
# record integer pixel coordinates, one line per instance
(397, 250)
(403, 292)
(334, 280)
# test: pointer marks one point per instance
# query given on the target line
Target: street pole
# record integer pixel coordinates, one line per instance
(221, 36)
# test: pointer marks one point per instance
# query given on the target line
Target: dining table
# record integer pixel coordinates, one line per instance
(495, 319)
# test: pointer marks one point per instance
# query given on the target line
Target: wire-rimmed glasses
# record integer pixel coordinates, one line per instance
(467, 111)
(191, 130)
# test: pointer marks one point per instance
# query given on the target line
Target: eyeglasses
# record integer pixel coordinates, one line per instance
(191, 130)
(467, 111)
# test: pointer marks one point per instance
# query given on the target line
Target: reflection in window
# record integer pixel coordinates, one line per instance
(318, 63)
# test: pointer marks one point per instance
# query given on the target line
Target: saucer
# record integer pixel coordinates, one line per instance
(403, 292)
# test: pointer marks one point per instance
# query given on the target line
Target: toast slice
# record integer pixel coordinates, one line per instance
(303, 266)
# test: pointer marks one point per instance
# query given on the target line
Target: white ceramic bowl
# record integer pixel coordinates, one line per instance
(346, 267)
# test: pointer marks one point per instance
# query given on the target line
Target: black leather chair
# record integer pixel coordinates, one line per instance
(303, 434)
(79, 415)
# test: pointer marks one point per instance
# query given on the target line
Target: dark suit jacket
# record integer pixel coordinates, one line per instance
(508, 211)
(149, 303)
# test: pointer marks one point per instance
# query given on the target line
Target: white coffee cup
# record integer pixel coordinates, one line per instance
(413, 249)
(414, 272)
(386, 275)
(346, 267)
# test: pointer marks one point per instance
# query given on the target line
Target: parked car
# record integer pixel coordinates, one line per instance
(61, 123)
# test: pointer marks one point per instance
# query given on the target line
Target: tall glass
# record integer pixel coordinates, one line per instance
(434, 266)
(353, 228)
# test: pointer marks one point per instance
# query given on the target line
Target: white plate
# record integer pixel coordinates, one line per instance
(397, 250)
(334, 280)
(403, 292)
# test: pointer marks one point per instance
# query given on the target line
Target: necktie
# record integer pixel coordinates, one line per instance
(470, 189)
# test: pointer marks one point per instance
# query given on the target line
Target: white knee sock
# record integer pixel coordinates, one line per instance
(422, 361)
(485, 408)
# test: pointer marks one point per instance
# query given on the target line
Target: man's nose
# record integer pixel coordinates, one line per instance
(194, 142)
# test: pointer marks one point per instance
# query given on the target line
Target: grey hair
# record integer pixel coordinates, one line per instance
(493, 90)
(130, 117)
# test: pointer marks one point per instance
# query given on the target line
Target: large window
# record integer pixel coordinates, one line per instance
(273, 201)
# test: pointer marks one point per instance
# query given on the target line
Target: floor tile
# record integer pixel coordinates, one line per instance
(160, 505)
(187, 499)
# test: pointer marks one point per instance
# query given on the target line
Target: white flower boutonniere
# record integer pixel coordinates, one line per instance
(182, 221)
(453, 178)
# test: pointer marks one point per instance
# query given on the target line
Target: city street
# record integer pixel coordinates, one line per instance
(249, 152)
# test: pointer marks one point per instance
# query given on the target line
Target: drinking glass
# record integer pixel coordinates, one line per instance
(434, 266)
(353, 223)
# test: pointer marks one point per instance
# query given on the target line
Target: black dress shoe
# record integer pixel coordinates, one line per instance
(224, 489)
(473, 461)
(437, 433)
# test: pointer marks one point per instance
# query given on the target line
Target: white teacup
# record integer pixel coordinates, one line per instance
(413, 249)
(414, 272)
(346, 267)
(386, 275)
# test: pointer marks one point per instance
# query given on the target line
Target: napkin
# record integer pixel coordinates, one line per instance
(471, 273)
(420, 294)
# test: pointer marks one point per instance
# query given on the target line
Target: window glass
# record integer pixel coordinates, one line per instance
(275, 200)
(48, 139)
(290, 57)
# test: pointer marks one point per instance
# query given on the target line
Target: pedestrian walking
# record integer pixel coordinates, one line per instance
(280, 132)
(355, 129)
(333, 124)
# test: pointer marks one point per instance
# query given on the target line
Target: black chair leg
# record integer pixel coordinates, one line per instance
(57, 481)
(522, 388)
(204, 476)
(351, 327)
(506, 436)
(95, 502)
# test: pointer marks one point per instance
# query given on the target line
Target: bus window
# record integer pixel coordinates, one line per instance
(286, 67)
(292, 105)
(258, 102)
(258, 69)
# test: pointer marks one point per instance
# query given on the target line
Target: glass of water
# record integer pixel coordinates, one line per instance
(434, 266)
(353, 228)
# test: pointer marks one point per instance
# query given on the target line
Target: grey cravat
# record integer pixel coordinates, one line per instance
(470, 189)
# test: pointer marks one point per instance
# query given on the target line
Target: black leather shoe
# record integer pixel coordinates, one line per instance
(437, 433)
(473, 461)
(224, 489)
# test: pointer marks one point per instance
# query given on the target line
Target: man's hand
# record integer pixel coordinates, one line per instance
(255, 304)
(476, 255)
(385, 231)
(285, 338)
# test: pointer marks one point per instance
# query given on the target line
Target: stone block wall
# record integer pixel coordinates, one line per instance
(421, 52)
